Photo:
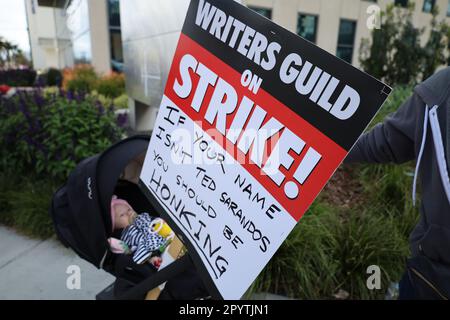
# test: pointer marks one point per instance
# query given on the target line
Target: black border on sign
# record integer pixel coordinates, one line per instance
(218, 49)
(201, 269)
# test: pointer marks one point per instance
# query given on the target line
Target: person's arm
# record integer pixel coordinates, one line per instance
(392, 140)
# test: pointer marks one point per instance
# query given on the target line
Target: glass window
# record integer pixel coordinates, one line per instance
(115, 35)
(114, 13)
(307, 27)
(448, 9)
(428, 5)
(401, 3)
(78, 17)
(116, 46)
(346, 40)
(78, 24)
(82, 50)
(262, 11)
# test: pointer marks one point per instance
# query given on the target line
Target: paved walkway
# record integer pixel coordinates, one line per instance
(36, 269)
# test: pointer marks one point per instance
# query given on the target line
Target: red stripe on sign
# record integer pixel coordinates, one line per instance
(294, 193)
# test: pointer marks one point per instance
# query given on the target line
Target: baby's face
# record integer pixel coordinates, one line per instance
(124, 216)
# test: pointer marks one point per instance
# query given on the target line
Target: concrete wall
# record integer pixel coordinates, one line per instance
(100, 42)
(150, 32)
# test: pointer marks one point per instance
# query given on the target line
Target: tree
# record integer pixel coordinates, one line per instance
(395, 54)
(434, 50)
(407, 52)
(2, 51)
(10, 54)
(380, 48)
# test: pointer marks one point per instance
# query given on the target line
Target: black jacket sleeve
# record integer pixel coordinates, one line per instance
(394, 139)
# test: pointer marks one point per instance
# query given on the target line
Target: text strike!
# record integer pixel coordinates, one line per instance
(224, 102)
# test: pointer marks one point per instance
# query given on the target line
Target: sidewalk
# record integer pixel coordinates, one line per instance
(36, 269)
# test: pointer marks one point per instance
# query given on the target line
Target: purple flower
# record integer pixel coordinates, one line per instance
(38, 124)
(100, 108)
(79, 97)
(24, 109)
(70, 95)
(39, 99)
(122, 119)
(40, 82)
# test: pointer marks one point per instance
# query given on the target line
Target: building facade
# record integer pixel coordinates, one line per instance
(50, 39)
(151, 29)
(338, 26)
(140, 36)
(150, 34)
(96, 34)
(67, 32)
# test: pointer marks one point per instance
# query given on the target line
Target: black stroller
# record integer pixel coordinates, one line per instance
(81, 214)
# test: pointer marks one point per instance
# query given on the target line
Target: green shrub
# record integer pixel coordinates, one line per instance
(334, 243)
(82, 78)
(121, 102)
(304, 266)
(118, 103)
(49, 92)
(26, 206)
(111, 86)
(398, 96)
(92, 130)
(54, 77)
(108, 102)
(366, 239)
(330, 250)
(6, 181)
(395, 52)
(389, 185)
(18, 77)
(47, 136)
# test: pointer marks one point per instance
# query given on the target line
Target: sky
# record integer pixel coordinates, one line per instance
(13, 23)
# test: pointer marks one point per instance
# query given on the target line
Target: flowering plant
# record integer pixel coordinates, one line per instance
(49, 134)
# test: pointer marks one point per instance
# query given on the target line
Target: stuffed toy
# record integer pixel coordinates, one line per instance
(143, 236)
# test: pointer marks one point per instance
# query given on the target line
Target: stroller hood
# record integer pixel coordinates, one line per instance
(81, 208)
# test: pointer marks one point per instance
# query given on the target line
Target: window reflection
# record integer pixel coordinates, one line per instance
(307, 27)
(115, 35)
(78, 24)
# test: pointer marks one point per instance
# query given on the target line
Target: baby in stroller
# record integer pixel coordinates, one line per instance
(143, 236)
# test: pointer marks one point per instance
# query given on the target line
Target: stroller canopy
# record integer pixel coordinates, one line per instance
(81, 208)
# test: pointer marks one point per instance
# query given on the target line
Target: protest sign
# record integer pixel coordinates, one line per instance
(253, 122)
